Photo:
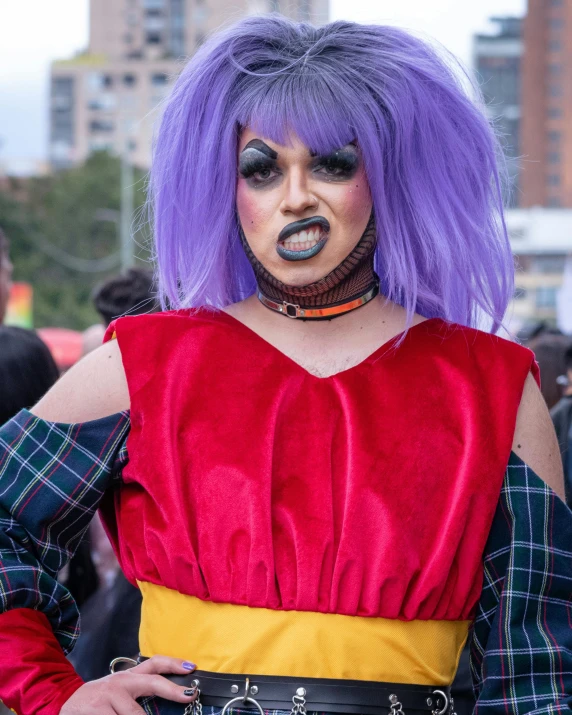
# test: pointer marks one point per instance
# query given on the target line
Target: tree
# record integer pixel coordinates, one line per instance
(59, 224)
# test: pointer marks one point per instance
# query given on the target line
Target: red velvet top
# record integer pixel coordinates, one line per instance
(370, 492)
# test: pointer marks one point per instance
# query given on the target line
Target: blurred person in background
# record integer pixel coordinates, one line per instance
(5, 275)
(130, 293)
(549, 348)
(561, 415)
(27, 370)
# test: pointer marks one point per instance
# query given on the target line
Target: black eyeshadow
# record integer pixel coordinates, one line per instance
(344, 161)
(251, 161)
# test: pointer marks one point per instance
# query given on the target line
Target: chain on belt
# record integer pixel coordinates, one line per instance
(299, 702)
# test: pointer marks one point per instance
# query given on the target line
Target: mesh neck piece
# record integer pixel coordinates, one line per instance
(353, 277)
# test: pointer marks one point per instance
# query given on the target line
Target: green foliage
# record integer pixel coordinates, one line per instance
(52, 220)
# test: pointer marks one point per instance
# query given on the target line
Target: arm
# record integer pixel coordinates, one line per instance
(95, 387)
(55, 465)
(52, 477)
(522, 640)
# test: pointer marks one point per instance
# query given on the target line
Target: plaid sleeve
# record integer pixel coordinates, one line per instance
(52, 478)
(521, 650)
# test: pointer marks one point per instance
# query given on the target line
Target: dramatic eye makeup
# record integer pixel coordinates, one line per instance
(340, 165)
(257, 163)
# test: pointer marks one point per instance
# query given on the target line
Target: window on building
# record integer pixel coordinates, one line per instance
(554, 157)
(105, 101)
(554, 113)
(555, 69)
(556, 23)
(548, 264)
(128, 38)
(159, 79)
(555, 46)
(101, 125)
(557, 3)
(153, 38)
(519, 293)
(154, 13)
(553, 179)
(555, 90)
(131, 145)
(107, 81)
(555, 137)
(554, 202)
(129, 80)
(546, 297)
(500, 79)
(100, 144)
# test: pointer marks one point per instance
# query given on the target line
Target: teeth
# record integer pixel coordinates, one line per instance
(303, 240)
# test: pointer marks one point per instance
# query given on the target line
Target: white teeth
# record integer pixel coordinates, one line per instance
(303, 240)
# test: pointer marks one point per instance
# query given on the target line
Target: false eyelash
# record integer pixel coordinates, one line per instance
(345, 161)
(248, 167)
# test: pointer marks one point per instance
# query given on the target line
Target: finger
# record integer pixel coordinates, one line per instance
(163, 664)
(126, 705)
(144, 685)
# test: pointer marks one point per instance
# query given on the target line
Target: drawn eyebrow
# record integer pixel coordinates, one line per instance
(262, 147)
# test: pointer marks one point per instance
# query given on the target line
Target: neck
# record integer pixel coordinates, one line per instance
(354, 278)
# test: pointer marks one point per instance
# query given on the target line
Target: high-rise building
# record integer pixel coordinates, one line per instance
(109, 97)
(497, 61)
(547, 104)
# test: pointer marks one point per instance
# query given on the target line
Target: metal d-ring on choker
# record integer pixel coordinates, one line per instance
(293, 310)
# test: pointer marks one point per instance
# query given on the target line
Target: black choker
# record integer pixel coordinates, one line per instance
(293, 310)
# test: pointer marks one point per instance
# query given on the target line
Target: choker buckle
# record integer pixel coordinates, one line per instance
(292, 310)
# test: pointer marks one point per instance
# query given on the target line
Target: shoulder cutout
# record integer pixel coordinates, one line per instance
(535, 440)
(95, 387)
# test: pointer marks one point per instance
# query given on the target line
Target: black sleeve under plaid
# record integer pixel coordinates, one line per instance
(52, 478)
(521, 648)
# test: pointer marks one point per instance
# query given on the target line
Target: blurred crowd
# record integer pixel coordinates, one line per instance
(110, 606)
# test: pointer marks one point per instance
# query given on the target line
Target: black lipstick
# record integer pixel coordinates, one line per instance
(302, 225)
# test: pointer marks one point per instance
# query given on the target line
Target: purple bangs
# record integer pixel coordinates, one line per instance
(429, 153)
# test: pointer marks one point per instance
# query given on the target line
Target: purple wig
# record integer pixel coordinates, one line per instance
(429, 153)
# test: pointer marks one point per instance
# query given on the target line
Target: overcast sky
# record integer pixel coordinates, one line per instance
(36, 31)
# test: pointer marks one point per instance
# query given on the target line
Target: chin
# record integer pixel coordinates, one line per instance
(300, 275)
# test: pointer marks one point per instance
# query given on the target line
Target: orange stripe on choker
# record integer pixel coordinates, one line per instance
(293, 310)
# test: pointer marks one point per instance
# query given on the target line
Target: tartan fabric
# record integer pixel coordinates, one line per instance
(521, 649)
(53, 476)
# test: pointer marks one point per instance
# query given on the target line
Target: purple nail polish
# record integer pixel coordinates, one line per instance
(189, 666)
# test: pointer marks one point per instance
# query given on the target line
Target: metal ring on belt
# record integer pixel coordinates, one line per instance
(355, 697)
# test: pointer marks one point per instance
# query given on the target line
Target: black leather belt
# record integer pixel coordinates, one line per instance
(268, 692)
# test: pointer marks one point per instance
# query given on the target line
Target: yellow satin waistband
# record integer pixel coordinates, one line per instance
(224, 638)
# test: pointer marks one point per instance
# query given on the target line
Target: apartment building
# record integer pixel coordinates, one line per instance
(110, 96)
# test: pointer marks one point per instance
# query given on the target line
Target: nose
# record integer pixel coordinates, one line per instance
(298, 198)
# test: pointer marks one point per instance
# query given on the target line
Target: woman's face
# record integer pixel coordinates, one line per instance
(301, 214)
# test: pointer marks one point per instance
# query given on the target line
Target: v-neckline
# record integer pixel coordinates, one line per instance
(375, 354)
